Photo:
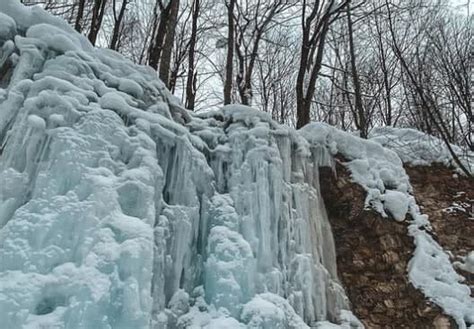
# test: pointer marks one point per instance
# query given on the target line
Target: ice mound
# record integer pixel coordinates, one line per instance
(118, 209)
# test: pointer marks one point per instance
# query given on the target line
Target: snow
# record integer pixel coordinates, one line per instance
(7, 27)
(467, 263)
(396, 203)
(416, 148)
(53, 37)
(130, 87)
(36, 122)
(259, 313)
(377, 169)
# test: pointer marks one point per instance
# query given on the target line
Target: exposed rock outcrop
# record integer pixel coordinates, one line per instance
(372, 259)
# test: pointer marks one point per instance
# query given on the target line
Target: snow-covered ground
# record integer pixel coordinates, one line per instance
(119, 209)
(419, 149)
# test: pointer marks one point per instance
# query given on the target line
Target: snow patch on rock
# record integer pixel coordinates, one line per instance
(380, 172)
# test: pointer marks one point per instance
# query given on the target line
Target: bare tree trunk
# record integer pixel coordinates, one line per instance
(304, 98)
(191, 79)
(315, 27)
(156, 46)
(97, 16)
(230, 53)
(118, 24)
(360, 119)
(165, 60)
(248, 41)
(79, 16)
(385, 72)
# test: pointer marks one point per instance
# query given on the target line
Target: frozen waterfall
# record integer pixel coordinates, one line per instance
(118, 209)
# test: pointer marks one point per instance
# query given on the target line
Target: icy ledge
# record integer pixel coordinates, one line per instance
(380, 171)
(118, 209)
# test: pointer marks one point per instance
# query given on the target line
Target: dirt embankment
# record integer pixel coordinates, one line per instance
(372, 257)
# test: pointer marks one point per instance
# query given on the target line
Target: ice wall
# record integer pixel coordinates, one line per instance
(118, 209)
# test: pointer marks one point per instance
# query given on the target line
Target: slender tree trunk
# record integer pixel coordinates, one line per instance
(80, 16)
(191, 79)
(118, 23)
(301, 118)
(304, 98)
(167, 52)
(230, 53)
(97, 17)
(360, 119)
(156, 46)
(385, 71)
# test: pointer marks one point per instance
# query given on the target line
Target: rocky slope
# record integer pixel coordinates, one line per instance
(372, 259)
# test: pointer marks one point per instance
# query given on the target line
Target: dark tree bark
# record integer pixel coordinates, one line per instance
(165, 60)
(248, 50)
(315, 27)
(98, 11)
(388, 117)
(191, 79)
(118, 24)
(159, 33)
(80, 16)
(230, 53)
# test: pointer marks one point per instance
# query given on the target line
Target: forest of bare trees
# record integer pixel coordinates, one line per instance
(355, 64)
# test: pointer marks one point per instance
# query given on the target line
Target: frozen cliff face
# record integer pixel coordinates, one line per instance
(118, 209)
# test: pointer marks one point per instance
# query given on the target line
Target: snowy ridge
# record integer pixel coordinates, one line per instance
(120, 210)
(380, 171)
(417, 148)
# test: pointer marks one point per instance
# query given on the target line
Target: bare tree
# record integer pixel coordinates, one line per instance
(427, 100)
(78, 24)
(118, 23)
(98, 12)
(229, 66)
(167, 51)
(160, 23)
(316, 19)
(359, 113)
(191, 79)
(252, 20)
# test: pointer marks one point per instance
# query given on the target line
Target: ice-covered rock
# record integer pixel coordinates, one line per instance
(118, 209)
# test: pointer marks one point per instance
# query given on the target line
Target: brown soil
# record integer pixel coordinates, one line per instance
(372, 256)
(449, 203)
